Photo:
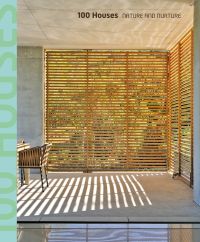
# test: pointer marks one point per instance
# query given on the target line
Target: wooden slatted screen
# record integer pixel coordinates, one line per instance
(181, 103)
(174, 104)
(106, 110)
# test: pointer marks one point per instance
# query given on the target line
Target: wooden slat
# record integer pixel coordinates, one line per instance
(181, 103)
(106, 109)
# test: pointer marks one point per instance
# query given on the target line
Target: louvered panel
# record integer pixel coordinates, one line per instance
(174, 107)
(106, 109)
(181, 106)
(147, 110)
(186, 104)
(66, 108)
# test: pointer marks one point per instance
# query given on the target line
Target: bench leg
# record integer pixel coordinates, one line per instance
(41, 178)
(45, 170)
(22, 177)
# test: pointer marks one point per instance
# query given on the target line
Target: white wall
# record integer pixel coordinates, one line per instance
(30, 95)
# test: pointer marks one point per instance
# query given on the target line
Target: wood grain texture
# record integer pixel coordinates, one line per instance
(106, 110)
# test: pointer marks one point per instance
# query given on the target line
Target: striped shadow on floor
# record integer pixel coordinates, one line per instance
(81, 194)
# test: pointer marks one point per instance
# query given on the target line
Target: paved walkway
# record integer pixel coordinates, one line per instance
(134, 197)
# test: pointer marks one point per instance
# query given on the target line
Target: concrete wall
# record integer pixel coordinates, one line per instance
(30, 95)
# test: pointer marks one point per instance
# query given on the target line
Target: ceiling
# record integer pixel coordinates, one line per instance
(55, 24)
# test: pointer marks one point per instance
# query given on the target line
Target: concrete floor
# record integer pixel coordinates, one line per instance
(107, 197)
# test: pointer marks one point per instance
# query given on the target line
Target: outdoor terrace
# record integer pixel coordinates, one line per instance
(116, 196)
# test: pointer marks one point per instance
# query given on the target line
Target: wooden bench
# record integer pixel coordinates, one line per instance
(35, 158)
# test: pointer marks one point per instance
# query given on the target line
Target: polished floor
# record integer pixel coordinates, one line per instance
(108, 233)
(107, 197)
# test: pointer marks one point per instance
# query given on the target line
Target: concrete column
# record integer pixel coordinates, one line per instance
(30, 95)
(196, 190)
